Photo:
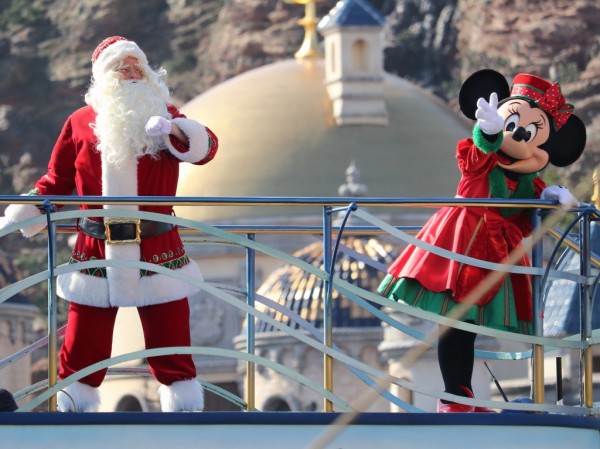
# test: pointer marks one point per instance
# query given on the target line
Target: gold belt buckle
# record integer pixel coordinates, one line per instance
(138, 230)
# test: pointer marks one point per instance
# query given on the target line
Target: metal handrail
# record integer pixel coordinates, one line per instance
(327, 203)
(432, 202)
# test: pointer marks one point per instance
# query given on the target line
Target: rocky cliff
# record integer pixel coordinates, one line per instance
(45, 48)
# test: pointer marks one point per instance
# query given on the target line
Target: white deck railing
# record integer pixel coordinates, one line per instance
(305, 332)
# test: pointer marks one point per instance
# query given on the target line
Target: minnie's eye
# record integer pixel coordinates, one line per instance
(531, 132)
(512, 122)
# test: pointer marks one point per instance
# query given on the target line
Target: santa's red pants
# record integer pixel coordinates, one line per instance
(89, 336)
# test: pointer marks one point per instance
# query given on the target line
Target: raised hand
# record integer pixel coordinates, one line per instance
(157, 126)
(488, 119)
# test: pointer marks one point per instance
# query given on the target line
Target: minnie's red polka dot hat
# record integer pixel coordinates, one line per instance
(545, 94)
(111, 51)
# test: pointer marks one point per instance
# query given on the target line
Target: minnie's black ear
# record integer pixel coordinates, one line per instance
(566, 145)
(481, 84)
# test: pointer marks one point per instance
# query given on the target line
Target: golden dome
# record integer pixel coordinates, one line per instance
(277, 137)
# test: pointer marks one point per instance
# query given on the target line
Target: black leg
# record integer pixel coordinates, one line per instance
(456, 358)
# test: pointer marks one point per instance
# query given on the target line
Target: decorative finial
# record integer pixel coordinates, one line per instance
(310, 47)
(352, 187)
(596, 191)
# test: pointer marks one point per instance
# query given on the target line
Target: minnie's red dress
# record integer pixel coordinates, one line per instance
(437, 284)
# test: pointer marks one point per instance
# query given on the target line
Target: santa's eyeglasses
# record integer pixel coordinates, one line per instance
(131, 70)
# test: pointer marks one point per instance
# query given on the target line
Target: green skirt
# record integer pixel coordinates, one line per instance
(499, 313)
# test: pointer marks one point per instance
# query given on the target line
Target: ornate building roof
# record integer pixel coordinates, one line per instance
(352, 13)
(562, 302)
(303, 292)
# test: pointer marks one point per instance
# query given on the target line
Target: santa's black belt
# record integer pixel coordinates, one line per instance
(119, 230)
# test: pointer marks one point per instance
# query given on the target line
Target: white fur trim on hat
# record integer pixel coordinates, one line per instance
(198, 140)
(18, 212)
(78, 397)
(115, 53)
(182, 396)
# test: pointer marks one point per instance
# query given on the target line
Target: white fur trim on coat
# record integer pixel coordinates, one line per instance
(121, 180)
(156, 289)
(123, 283)
(182, 396)
(198, 140)
(78, 397)
(115, 53)
(18, 212)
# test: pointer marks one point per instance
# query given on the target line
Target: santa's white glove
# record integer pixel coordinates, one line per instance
(560, 194)
(4, 222)
(488, 119)
(157, 126)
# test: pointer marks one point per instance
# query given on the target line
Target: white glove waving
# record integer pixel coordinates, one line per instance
(560, 194)
(157, 126)
(488, 119)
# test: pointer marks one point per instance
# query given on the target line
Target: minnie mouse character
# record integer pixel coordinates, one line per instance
(518, 132)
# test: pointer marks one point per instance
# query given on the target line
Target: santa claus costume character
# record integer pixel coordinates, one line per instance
(512, 141)
(127, 141)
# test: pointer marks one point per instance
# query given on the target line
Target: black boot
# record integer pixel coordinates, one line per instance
(7, 401)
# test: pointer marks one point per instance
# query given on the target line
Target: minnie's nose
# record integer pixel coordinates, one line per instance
(519, 134)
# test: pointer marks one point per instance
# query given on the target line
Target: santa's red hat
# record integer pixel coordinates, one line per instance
(111, 51)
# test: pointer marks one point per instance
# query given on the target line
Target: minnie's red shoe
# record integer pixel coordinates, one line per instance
(476, 409)
(453, 407)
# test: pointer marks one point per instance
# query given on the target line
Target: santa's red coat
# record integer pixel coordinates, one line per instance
(77, 166)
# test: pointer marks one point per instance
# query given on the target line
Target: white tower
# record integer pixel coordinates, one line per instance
(354, 63)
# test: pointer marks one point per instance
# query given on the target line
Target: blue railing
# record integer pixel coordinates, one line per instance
(303, 331)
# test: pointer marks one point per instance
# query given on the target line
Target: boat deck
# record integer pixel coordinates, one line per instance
(296, 430)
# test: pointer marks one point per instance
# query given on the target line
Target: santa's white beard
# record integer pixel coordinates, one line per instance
(122, 109)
